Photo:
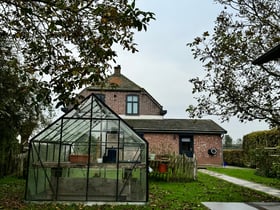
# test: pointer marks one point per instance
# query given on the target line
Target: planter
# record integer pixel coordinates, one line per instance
(99, 160)
(78, 158)
(162, 168)
(152, 156)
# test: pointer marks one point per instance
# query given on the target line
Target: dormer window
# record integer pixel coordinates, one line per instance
(132, 105)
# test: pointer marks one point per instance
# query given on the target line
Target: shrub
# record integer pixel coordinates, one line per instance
(234, 157)
(259, 139)
(268, 162)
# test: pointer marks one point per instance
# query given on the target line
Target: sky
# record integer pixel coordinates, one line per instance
(164, 64)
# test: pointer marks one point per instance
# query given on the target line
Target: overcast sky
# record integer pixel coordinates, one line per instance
(164, 63)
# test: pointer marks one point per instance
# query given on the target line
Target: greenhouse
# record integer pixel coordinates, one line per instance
(88, 155)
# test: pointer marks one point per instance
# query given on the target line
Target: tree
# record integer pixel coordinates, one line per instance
(239, 141)
(20, 110)
(228, 141)
(22, 103)
(53, 47)
(232, 85)
(70, 42)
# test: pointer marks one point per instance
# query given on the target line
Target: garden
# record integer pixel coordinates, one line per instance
(162, 194)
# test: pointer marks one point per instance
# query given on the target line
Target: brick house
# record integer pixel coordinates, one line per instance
(165, 136)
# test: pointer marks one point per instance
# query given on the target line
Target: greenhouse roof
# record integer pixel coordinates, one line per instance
(91, 115)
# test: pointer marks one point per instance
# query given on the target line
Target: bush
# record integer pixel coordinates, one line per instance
(268, 162)
(234, 157)
(259, 139)
(262, 150)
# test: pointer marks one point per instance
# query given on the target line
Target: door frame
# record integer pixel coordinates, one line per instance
(188, 139)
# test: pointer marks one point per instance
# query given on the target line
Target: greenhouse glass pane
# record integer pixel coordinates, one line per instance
(130, 136)
(51, 134)
(83, 110)
(74, 129)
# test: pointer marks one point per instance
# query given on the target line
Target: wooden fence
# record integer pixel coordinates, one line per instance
(12, 164)
(178, 168)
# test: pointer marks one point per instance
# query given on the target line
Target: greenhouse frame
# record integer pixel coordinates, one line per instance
(88, 155)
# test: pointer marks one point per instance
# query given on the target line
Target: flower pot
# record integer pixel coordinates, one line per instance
(78, 158)
(99, 160)
(162, 167)
(152, 156)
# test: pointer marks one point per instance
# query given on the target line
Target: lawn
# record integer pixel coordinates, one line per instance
(247, 174)
(162, 195)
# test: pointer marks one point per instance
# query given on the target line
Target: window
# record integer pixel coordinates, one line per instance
(132, 104)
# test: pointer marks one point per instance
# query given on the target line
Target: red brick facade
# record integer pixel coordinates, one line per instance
(163, 144)
(116, 100)
(202, 143)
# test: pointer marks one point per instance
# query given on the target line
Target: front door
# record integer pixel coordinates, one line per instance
(186, 145)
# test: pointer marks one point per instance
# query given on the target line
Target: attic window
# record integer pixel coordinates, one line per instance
(132, 105)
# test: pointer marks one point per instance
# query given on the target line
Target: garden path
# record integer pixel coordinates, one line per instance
(243, 206)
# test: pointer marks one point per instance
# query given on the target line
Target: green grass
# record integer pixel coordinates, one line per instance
(162, 195)
(248, 174)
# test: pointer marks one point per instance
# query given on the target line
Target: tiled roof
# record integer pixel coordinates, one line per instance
(118, 81)
(194, 126)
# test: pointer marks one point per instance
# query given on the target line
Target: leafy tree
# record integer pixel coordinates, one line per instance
(56, 46)
(239, 141)
(228, 141)
(20, 109)
(232, 85)
(21, 105)
(70, 41)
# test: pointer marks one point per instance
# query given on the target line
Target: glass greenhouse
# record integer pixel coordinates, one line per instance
(88, 155)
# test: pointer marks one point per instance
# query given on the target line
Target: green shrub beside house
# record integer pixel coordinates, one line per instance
(260, 150)
(234, 157)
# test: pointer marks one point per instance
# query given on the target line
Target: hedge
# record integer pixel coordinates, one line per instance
(234, 157)
(261, 150)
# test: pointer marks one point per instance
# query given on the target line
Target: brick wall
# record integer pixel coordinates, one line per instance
(202, 143)
(162, 144)
(147, 106)
(116, 100)
(169, 144)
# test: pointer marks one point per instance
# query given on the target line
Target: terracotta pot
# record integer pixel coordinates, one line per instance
(162, 167)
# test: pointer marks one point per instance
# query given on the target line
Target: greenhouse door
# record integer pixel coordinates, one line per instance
(186, 145)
